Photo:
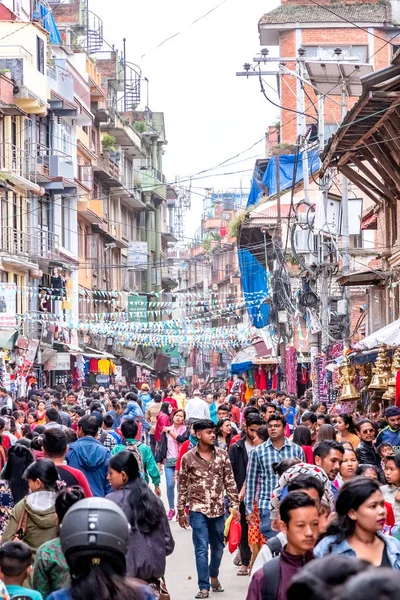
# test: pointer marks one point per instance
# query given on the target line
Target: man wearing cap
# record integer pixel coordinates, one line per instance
(144, 396)
(391, 433)
(196, 408)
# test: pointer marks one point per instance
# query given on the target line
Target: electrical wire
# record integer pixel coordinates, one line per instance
(171, 37)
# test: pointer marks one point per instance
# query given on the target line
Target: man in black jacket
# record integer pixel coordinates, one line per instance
(366, 452)
(239, 455)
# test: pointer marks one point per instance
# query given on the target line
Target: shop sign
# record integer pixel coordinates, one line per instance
(118, 374)
(137, 308)
(137, 256)
(102, 379)
(61, 361)
(189, 371)
(8, 292)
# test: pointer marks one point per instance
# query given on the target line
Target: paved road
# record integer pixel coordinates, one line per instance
(181, 574)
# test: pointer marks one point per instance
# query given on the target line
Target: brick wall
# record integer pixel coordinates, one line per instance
(319, 37)
(67, 14)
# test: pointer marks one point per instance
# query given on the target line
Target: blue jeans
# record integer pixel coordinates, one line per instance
(265, 524)
(207, 533)
(169, 478)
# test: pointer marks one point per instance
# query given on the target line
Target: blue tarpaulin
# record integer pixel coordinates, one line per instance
(286, 171)
(254, 283)
(45, 16)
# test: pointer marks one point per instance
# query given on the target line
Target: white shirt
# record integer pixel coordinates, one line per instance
(197, 408)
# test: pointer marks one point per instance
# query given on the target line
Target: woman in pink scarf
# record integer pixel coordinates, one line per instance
(171, 441)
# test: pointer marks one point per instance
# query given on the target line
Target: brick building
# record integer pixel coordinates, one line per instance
(359, 28)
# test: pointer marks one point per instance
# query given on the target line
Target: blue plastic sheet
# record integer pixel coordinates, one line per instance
(254, 280)
(46, 18)
(286, 172)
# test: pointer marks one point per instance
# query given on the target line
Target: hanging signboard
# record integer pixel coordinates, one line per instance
(8, 292)
(137, 256)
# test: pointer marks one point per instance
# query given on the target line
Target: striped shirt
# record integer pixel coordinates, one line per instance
(260, 471)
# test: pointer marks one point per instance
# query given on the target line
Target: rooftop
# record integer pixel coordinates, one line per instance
(306, 13)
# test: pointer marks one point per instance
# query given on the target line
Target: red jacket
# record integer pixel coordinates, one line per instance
(163, 420)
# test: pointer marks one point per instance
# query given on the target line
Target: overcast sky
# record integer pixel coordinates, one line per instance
(210, 114)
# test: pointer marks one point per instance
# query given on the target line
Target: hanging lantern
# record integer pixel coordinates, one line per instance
(347, 371)
(381, 371)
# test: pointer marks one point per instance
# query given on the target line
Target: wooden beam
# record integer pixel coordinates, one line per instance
(360, 182)
(373, 178)
(385, 162)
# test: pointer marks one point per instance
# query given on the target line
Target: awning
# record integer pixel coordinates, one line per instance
(137, 363)
(98, 353)
(245, 358)
(362, 278)
(390, 335)
(369, 221)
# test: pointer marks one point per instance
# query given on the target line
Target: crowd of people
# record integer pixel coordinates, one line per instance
(316, 493)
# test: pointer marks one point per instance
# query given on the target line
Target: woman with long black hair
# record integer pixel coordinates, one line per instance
(357, 529)
(33, 519)
(13, 486)
(150, 529)
(96, 554)
(223, 434)
(346, 430)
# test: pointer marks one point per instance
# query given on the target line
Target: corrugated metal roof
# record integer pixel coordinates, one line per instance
(306, 13)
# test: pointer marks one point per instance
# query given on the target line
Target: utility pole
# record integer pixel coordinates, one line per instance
(278, 234)
(345, 236)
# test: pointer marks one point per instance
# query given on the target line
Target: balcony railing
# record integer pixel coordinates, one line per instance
(18, 161)
(33, 243)
(15, 52)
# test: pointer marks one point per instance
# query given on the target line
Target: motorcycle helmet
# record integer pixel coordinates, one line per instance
(94, 525)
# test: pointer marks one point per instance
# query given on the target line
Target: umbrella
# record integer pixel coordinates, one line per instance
(390, 335)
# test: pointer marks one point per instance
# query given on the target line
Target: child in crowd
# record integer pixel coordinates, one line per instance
(15, 567)
(384, 450)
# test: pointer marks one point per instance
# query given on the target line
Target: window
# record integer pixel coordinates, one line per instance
(323, 52)
(40, 54)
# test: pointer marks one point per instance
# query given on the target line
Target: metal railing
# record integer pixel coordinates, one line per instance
(15, 52)
(18, 161)
(33, 243)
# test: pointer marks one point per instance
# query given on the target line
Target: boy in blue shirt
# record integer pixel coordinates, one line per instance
(15, 567)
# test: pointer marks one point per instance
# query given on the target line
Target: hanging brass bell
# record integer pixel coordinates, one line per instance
(347, 372)
(349, 392)
(378, 382)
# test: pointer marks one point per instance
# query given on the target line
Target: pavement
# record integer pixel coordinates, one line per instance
(181, 576)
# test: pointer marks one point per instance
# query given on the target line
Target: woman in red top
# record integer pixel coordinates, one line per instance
(163, 420)
(302, 437)
(172, 401)
(41, 413)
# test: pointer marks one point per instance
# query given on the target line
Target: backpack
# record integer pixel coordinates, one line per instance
(271, 578)
(275, 545)
(134, 448)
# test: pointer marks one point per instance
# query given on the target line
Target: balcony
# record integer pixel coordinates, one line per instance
(60, 81)
(55, 169)
(168, 277)
(92, 210)
(28, 247)
(30, 84)
(125, 135)
(108, 171)
(168, 234)
(153, 181)
(19, 167)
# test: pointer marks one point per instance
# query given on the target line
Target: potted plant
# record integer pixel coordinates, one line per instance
(108, 143)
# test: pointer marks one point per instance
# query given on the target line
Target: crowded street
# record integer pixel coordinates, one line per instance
(199, 300)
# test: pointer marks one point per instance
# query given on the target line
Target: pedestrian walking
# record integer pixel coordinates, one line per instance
(205, 474)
